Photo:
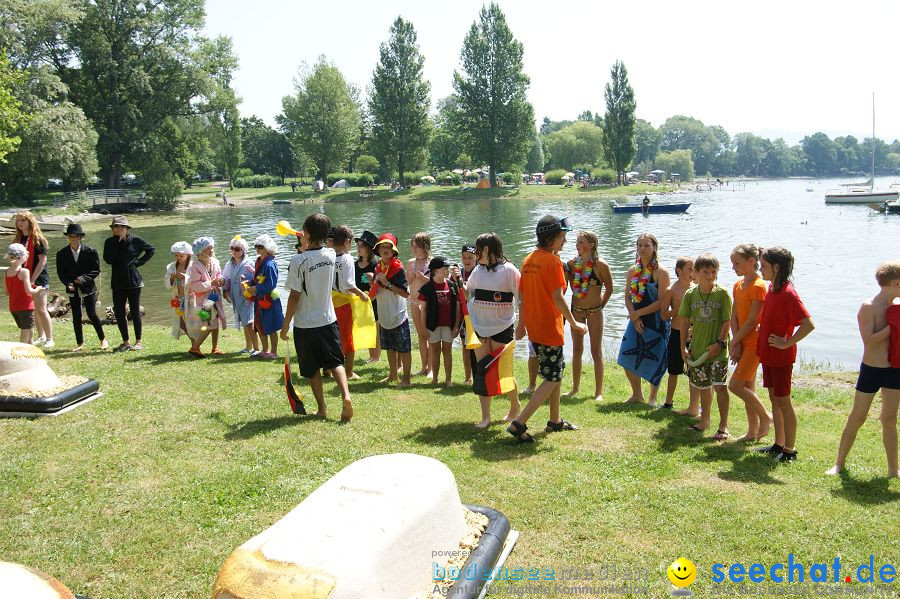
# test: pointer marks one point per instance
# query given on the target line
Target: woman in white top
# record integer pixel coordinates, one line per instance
(176, 279)
(493, 294)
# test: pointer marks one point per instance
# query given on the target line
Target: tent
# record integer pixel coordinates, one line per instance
(483, 184)
(340, 184)
(427, 179)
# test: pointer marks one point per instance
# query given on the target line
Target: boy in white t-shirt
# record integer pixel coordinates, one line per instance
(345, 282)
(317, 339)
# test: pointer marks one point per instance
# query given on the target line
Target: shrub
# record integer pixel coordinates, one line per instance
(257, 181)
(163, 192)
(448, 177)
(410, 177)
(605, 175)
(513, 177)
(367, 164)
(242, 172)
(555, 176)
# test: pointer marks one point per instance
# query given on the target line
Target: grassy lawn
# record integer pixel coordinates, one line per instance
(207, 193)
(145, 491)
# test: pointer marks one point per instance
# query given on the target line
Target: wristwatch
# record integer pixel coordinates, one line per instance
(722, 343)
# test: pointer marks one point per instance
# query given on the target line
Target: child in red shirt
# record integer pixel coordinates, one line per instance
(440, 298)
(783, 323)
(542, 311)
(19, 290)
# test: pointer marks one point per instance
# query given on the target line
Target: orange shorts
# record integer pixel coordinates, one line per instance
(748, 364)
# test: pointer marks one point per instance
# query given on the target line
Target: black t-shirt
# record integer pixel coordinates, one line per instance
(369, 270)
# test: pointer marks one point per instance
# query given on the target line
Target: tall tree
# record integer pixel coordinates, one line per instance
(323, 118)
(646, 140)
(399, 101)
(536, 154)
(135, 64)
(686, 133)
(494, 108)
(12, 118)
(618, 124)
(446, 143)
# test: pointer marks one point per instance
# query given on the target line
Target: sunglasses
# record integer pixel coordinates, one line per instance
(563, 224)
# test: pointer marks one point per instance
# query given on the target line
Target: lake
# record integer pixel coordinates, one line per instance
(836, 248)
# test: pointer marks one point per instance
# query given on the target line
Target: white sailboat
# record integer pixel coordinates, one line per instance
(865, 193)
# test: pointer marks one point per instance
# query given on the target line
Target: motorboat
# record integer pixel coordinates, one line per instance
(650, 207)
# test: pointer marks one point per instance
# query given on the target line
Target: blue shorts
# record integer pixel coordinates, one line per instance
(397, 339)
(871, 378)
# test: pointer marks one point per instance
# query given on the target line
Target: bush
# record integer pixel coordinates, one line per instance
(242, 172)
(354, 179)
(555, 176)
(163, 192)
(256, 181)
(605, 175)
(367, 164)
(513, 178)
(448, 177)
(410, 177)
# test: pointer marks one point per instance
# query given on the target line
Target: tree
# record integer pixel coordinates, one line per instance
(399, 101)
(780, 160)
(686, 133)
(494, 108)
(646, 141)
(323, 118)
(750, 152)
(676, 161)
(12, 118)
(536, 154)
(130, 65)
(618, 124)
(821, 154)
(580, 143)
(367, 164)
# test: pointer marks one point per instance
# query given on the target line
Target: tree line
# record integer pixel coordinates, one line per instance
(112, 86)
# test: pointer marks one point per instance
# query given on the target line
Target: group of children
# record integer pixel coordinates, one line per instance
(688, 326)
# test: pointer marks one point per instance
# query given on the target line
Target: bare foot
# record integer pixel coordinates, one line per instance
(434, 380)
(598, 397)
(483, 424)
(319, 414)
(700, 427)
(634, 399)
(749, 436)
(652, 403)
(571, 393)
(512, 415)
(403, 384)
(347, 411)
(467, 382)
(388, 379)
(448, 384)
(893, 474)
(373, 360)
(353, 377)
(78, 349)
(834, 470)
(687, 412)
(528, 390)
(764, 428)
(423, 372)
(104, 344)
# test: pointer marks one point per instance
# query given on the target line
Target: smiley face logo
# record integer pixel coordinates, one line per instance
(682, 572)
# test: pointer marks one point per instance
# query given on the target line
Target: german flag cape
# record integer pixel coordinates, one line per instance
(389, 270)
(356, 321)
(294, 399)
(493, 374)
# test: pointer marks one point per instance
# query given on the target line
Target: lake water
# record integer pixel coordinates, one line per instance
(836, 248)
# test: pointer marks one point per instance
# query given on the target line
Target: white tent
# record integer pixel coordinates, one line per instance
(340, 184)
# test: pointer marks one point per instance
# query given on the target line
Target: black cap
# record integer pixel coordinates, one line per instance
(438, 262)
(470, 249)
(369, 238)
(74, 229)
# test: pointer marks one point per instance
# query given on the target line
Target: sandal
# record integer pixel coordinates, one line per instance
(123, 347)
(517, 429)
(721, 435)
(562, 425)
(217, 351)
(196, 353)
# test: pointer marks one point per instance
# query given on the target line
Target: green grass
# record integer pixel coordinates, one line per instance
(145, 491)
(206, 193)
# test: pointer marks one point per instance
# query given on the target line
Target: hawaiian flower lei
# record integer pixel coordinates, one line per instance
(642, 275)
(581, 274)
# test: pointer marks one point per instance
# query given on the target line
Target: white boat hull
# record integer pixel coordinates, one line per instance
(861, 197)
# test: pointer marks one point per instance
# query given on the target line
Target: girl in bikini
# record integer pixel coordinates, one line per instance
(591, 281)
(417, 275)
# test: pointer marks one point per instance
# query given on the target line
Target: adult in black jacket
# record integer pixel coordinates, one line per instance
(126, 253)
(77, 266)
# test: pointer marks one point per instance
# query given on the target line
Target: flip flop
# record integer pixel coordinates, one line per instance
(721, 435)
(694, 427)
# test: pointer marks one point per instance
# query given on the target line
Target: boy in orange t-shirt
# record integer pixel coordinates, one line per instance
(541, 313)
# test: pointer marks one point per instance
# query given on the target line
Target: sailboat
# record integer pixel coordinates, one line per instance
(864, 193)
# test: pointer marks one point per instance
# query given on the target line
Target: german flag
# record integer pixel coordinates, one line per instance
(493, 374)
(356, 321)
(472, 341)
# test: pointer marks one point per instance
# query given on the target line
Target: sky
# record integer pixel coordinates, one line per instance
(777, 69)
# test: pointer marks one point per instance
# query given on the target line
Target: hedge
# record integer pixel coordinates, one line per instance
(257, 181)
(448, 177)
(605, 175)
(555, 176)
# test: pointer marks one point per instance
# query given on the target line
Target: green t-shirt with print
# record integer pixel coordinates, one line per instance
(707, 313)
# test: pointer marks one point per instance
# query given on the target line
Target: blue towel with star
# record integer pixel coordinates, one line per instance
(646, 354)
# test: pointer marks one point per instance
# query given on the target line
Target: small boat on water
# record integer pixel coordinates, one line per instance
(892, 207)
(650, 207)
(282, 201)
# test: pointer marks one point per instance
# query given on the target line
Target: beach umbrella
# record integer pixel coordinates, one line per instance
(570, 175)
(657, 172)
(428, 179)
(294, 398)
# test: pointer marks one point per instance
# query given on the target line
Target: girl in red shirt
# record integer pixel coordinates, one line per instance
(783, 323)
